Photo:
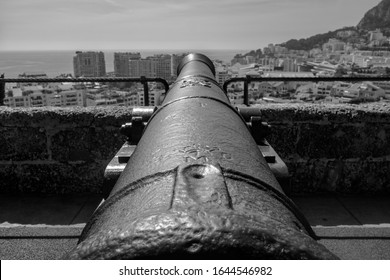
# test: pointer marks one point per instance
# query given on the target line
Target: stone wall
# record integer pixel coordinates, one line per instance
(336, 148)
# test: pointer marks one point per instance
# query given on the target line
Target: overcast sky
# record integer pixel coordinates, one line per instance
(169, 24)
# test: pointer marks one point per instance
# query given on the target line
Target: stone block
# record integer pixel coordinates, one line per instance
(283, 139)
(340, 176)
(9, 180)
(85, 144)
(328, 148)
(293, 113)
(23, 143)
(112, 116)
(342, 141)
(57, 178)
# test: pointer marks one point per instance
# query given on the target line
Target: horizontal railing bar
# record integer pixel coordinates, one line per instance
(142, 79)
(249, 79)
(145, 80)
(85, 80)
(307, 79)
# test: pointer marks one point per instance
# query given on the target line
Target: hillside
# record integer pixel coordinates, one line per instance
(316, 40)
(377, 17)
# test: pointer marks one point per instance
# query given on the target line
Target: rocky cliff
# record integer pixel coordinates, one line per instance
(377, 17)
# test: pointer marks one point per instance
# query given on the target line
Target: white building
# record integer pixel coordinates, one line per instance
(366, 90)
(155, 97)
(323, 88)
(222, 75)
(376, 35)
(39, 99)
(333, 45)
(338, 88)
(265, 88)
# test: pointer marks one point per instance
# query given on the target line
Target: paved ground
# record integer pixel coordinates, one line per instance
(41, 227)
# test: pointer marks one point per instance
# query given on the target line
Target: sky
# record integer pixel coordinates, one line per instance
(169, 24)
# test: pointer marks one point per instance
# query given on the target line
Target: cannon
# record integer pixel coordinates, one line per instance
(193, 184)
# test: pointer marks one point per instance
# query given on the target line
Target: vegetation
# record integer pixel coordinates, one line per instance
(255, 53)
(315, 41)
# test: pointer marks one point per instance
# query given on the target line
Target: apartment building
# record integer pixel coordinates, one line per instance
(17, 101)
(155, 98)
(385, 85)
(175, 61)
(222, 75)
(112, 99)
(89, 64)
(365, 90)
(323, 88)
(333, 45)
(163, 66)
(40, 99)
(143, 67)
(290, 65)
(376, 35)
(338, 88)
(121, 62)
(265, 88)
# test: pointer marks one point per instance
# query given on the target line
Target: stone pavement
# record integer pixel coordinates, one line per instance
(46, 227)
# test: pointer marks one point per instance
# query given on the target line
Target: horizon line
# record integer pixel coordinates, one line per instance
(129, 49)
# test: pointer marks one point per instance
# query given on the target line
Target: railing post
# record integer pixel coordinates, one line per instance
(246, 97)
(2, 90)
(146, 90)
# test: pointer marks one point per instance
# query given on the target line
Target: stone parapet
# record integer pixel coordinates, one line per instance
(332, 148)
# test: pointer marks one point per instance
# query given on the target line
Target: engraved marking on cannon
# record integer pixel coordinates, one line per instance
(204, 154)
(195, 82)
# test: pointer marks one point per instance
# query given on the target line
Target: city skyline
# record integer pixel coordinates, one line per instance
(169, 24)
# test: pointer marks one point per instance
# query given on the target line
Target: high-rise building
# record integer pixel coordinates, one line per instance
(89, 64)
(290, 65)
(121, 63)
(222, 75)
(175, 61)
(143, 67)
(163, 66)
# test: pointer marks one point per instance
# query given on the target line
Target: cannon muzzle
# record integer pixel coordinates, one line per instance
(196, 186)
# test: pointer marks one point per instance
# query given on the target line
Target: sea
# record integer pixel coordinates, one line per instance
(54, 63)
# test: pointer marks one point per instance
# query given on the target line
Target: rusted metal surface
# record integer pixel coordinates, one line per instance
(197, 186)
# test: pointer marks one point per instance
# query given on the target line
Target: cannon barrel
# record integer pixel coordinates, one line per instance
(197, 187)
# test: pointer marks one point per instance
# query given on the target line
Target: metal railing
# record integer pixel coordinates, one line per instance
(248, 79)
(143, 80)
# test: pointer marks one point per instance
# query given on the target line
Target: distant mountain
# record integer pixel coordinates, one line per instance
(377, 17)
